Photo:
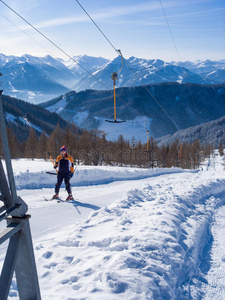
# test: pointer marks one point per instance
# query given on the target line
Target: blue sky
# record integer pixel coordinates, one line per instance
(137, 28)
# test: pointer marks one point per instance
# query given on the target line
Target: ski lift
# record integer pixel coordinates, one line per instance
(114, 77)
(147, 133)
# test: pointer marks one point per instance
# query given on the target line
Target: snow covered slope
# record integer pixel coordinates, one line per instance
(159, 237)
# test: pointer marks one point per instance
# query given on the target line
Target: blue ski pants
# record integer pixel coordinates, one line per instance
(60, 177)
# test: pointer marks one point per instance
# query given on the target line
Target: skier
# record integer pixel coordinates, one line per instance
(66, 169)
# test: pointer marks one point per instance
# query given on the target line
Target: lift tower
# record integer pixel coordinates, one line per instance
(19, 256)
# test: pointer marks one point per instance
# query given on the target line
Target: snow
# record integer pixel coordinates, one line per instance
(131, 129)
(80, 117)
(59, 106)
(14, 119)
(180, 80)
(131, 233)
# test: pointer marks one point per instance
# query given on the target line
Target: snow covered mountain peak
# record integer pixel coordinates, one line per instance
(59, 76)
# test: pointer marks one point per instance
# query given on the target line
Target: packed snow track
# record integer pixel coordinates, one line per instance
(129, 234)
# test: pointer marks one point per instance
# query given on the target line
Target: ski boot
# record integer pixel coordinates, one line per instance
(56, 196)
(70, 197)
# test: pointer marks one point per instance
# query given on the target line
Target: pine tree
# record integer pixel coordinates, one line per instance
(196, 148)
(120, 148)
(221, 148)
(31, 145)
(14, 144)
(172, 156)
(163, 152)
(42, 146)
(85, 148)
(55, 141)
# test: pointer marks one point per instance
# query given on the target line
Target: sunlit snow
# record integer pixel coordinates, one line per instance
(131, 233)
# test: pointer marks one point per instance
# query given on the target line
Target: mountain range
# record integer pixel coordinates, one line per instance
(161, 109)
(38, 79)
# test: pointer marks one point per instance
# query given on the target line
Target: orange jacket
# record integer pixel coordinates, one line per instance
(65, 164)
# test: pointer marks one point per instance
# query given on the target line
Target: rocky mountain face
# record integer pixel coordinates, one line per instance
(38, 79)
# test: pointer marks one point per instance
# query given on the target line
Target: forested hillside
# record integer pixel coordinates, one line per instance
(92, 148)
(167, 107)
(211, 132)
(22, 116)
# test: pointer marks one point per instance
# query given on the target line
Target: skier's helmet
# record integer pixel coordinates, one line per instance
(63, 148)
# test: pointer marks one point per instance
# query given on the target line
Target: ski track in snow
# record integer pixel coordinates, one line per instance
(155, 238)
(214, 288)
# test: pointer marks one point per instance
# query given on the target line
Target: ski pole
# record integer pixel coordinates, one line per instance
(52, 161)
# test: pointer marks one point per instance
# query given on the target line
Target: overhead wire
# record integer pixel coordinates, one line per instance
(168, 25)
(54, 44)
(59, 48)
(135, 74)
(24, 33)
(119, 52)
(178, 55)
(97, 26)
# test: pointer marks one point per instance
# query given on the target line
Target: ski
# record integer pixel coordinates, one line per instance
(69, 200)
(61, 200)
(52, 199)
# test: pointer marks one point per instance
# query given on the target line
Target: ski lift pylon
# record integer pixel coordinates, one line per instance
(114, 77)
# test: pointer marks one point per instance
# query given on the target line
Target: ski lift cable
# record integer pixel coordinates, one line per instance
(119, 52)
(25, 33)
(178, 55)
(168, 25)
(54, 44)
(59, 48)
(31, 39)
(144, 86)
